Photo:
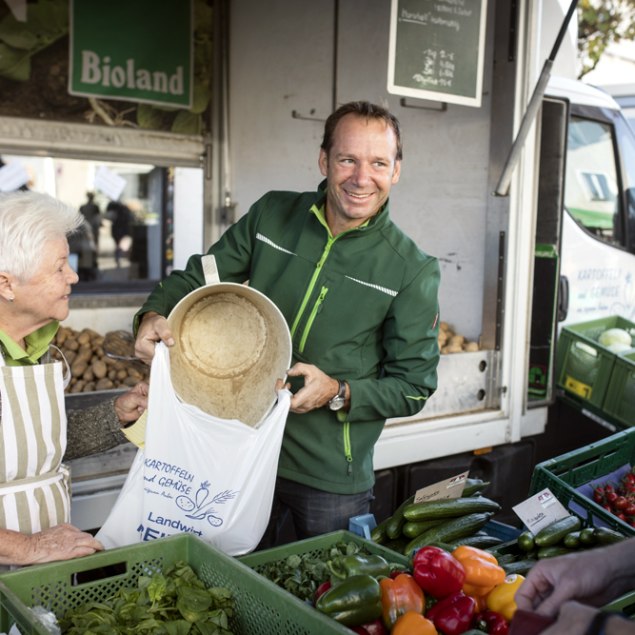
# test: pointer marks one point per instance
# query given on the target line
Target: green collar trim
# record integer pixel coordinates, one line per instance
(37, 344)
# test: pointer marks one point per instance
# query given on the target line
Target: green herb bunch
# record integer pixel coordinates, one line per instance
(175, 602)
(301, 574)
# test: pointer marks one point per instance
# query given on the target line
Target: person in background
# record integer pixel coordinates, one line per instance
(91, 212)
(570, 589)
(121, 226)
(35, 284)
(360, 299)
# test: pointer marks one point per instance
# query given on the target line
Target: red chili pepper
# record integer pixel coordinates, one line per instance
(453, 614)
(438, 572)
(492, 623)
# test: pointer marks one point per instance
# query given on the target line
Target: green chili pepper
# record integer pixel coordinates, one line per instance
(354, 601)
(357, 564)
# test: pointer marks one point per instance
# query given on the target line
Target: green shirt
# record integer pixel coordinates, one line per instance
(37, 345)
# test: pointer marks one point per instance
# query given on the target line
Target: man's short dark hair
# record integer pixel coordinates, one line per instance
(361, 109)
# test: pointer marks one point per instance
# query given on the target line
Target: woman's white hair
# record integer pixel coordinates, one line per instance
(28, 220)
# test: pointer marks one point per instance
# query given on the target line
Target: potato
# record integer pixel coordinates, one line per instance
(99, 368)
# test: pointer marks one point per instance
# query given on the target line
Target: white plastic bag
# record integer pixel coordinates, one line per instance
(197, 473)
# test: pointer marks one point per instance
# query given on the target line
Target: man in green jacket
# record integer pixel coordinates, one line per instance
(361, 302)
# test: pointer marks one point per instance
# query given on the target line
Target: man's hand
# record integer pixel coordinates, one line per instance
(153, 328)
(317, 391)
(131, 405)
(61, 542)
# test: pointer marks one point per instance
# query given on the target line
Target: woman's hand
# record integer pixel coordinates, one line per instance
(132, 404)
(61, 542)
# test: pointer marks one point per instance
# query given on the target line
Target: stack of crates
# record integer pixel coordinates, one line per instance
(564, 474)
(594, 375)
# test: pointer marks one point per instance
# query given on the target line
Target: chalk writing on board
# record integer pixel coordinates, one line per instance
(437, 45)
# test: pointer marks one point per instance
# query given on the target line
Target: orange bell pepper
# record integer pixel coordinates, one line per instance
(413, 623)
(398, 596)
(482, 572)
(501, 598)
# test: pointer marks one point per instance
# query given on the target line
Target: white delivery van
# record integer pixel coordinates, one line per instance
(598, 226)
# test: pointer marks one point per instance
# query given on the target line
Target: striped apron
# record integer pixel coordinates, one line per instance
(34, 484)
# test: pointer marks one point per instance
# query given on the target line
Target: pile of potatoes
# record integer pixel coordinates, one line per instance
(451, 342)
(91, 368)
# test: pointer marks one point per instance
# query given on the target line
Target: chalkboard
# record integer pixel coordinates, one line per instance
(437, 50)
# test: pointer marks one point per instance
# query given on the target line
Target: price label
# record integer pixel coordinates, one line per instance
(540, 510)
(449, 488)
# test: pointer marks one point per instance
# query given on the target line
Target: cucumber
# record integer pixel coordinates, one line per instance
(397, 520)
(449, 508)
(520, 567)
(449, 531)
(572, 540)
(378, 533)
(526, 541)
(476, 540)
(411, 528)
(587, 537)
(473, 486)
(552, 534)
(552, 551)
(606, 536)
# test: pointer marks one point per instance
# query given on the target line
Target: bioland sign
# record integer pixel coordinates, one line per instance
(138, 50)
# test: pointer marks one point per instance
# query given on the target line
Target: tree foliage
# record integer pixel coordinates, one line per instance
(600, 23)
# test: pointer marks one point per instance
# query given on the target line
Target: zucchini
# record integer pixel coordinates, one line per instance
(449, 531)
(397, 520)
(552, 534)
(473, 486)
(552, 551)
(606, 536)
(411, 528)
(449, 508)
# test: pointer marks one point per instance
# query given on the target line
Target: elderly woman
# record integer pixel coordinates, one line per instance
(35, 284)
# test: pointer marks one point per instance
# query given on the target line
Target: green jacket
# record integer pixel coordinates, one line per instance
(361, 307)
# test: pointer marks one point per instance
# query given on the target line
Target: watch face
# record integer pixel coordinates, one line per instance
(336, 403)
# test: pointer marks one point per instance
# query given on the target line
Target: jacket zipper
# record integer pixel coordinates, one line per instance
(346, 431)
(307, 295)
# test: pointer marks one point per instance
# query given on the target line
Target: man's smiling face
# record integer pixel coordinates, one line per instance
(360, 169)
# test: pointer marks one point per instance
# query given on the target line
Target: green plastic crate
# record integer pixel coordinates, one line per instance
(619, 402)
(257, 560)
(261, 607)
(583, 366)
(566, 472)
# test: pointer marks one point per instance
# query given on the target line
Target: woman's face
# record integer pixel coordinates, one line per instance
(44, 297)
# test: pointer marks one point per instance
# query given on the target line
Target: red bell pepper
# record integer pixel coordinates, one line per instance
(453, 614)
(398, 596)
(437, 572)
(376, 627)
(492, 623)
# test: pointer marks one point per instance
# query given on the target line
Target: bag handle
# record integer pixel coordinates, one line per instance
(210, 271)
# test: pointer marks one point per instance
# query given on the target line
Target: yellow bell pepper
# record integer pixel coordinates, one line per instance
(501, 598)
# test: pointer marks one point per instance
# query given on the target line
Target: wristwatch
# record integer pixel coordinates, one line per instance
(337, 402)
